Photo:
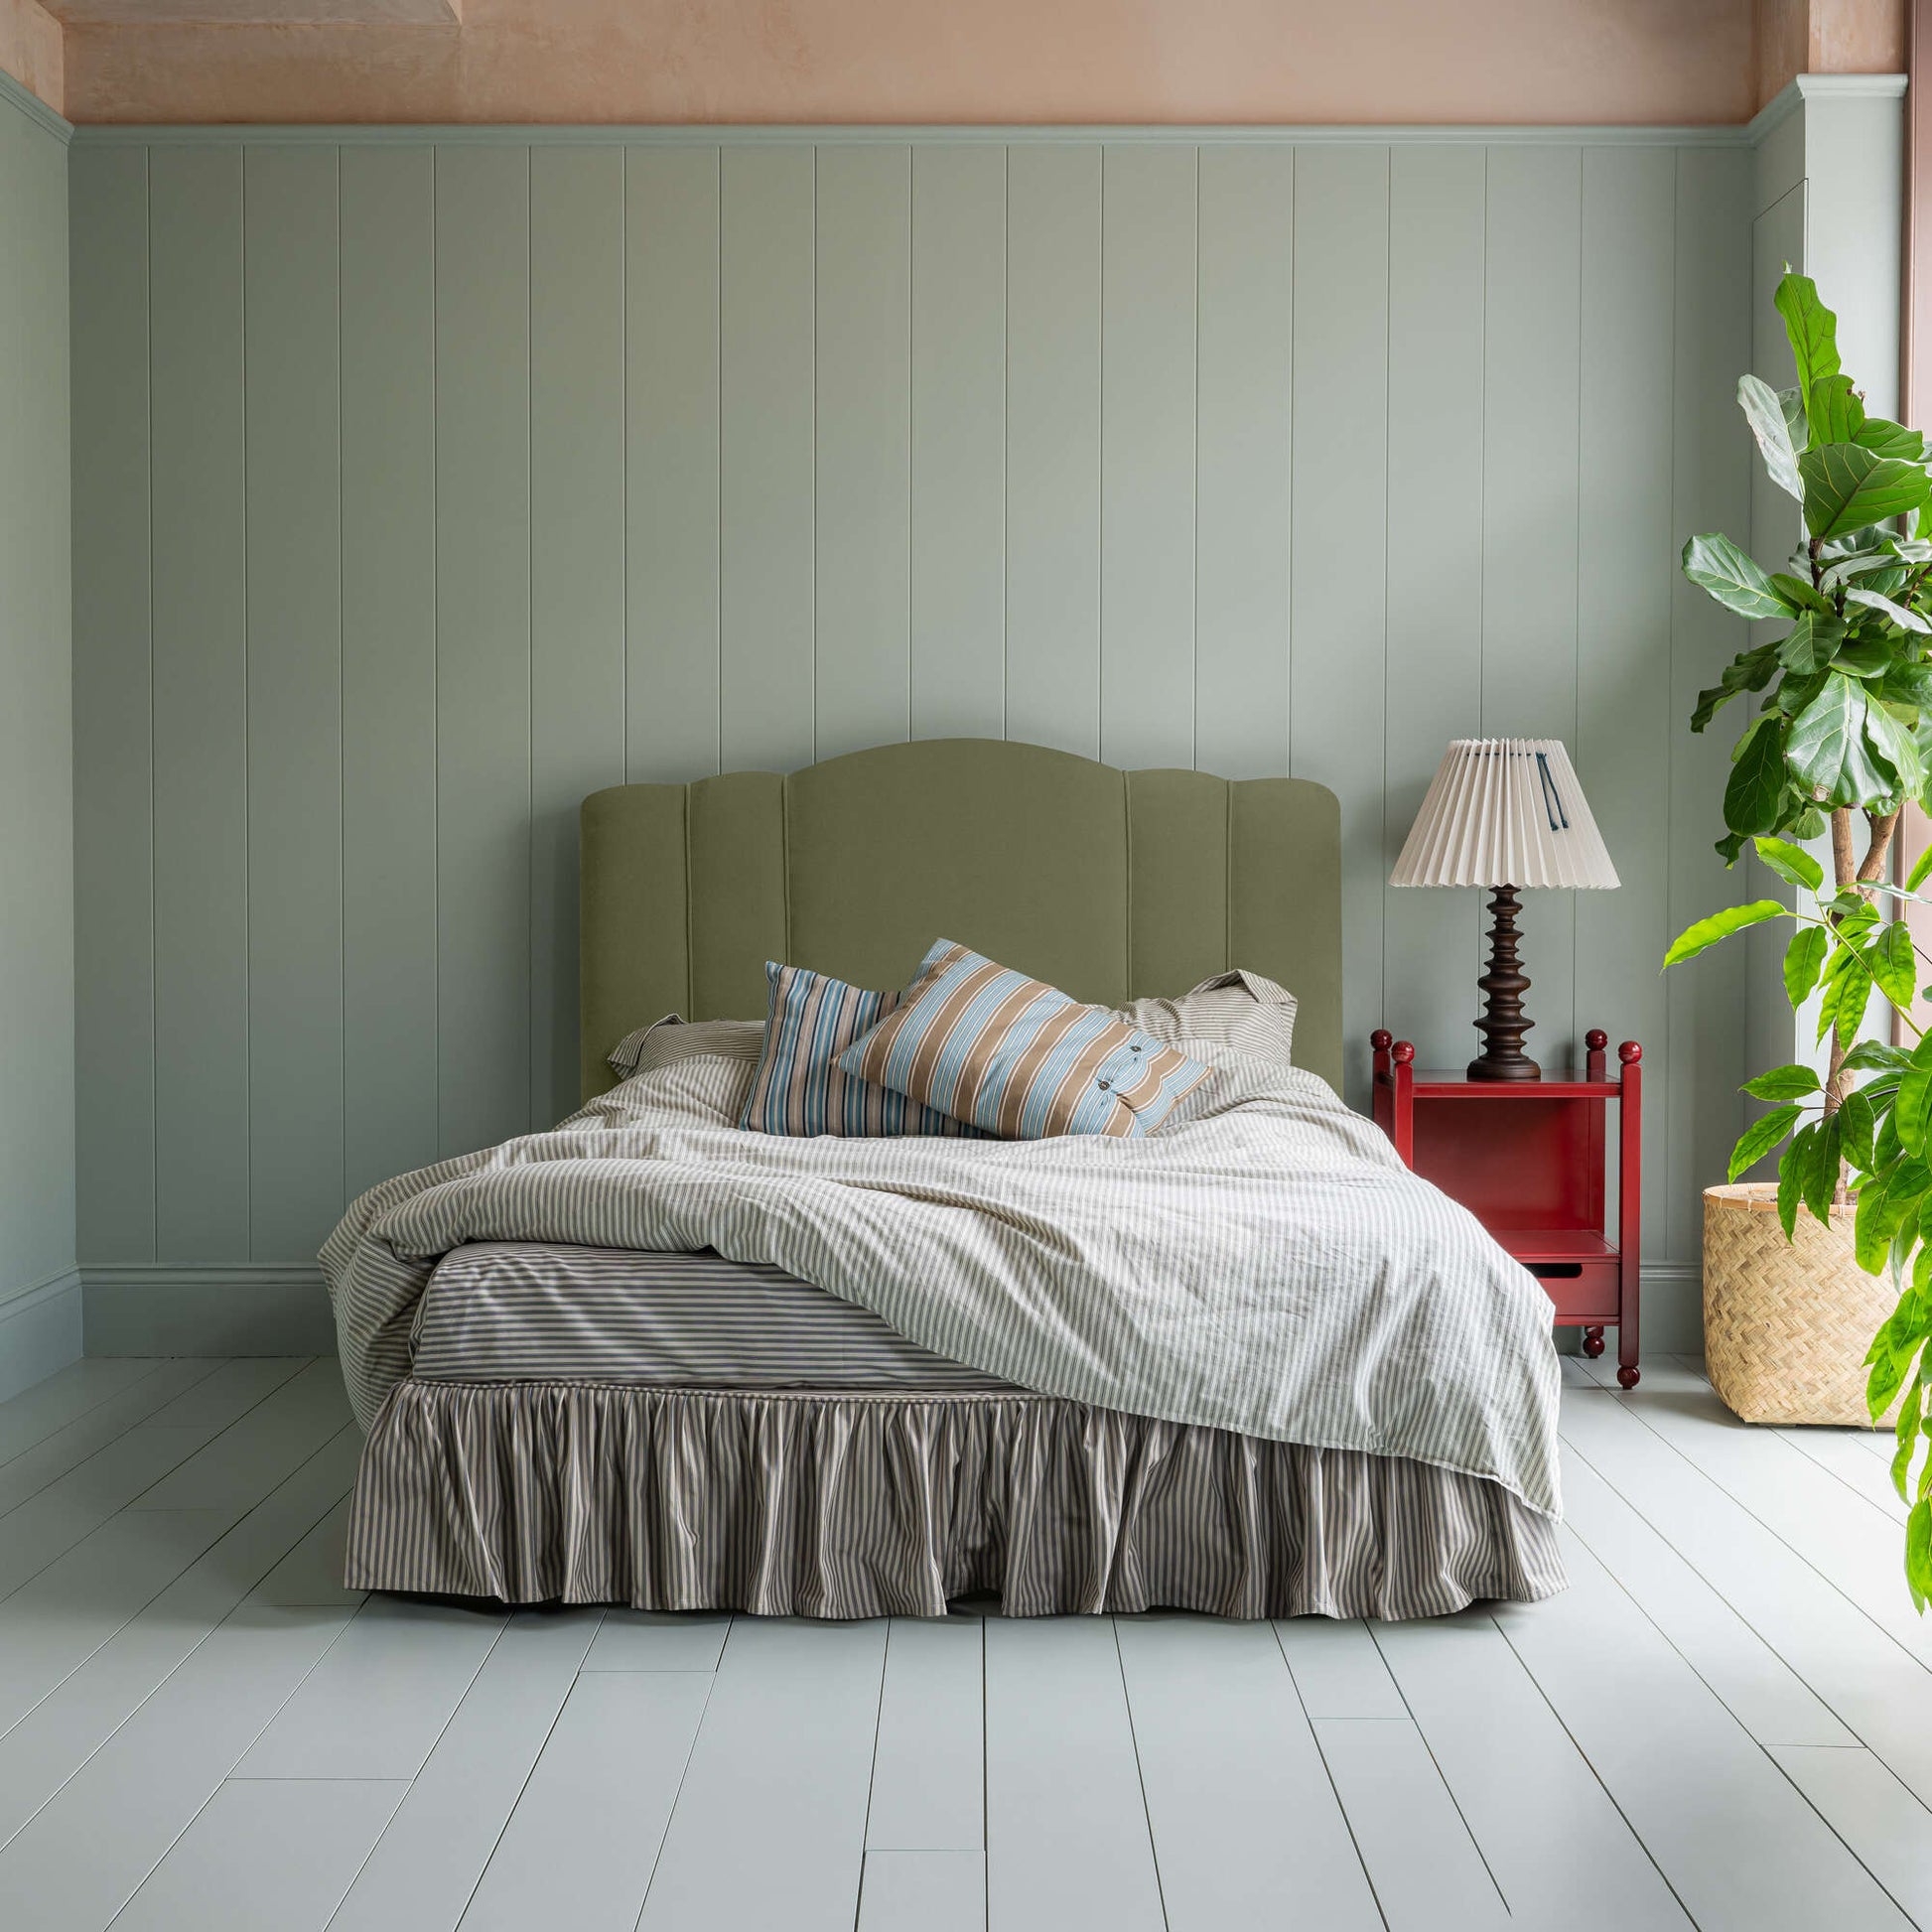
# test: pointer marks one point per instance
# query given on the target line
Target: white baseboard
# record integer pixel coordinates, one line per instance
(1673, 1307)
(218, 1309)
(39, 1332)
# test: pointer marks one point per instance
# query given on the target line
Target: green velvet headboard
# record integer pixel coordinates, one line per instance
(1108, 883)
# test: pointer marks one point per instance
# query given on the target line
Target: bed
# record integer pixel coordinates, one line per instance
(649, 1360)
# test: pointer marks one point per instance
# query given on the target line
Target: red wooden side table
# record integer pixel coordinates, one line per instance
(1527, 1159)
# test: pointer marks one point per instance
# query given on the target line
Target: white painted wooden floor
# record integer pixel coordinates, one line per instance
(1726, 1722)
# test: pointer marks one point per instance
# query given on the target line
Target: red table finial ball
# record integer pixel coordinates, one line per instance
(1629, 1052)
(1381, 1040)
(1405, 1051)
(1596, 1039)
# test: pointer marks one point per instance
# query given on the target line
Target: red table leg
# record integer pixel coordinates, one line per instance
(1629, 1222)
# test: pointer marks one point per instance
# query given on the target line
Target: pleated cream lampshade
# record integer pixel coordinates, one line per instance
(1504, 811)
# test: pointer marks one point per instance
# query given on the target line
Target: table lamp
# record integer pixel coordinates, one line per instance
(1504, 813)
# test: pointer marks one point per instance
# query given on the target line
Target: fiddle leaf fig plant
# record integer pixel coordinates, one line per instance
(1840, 743)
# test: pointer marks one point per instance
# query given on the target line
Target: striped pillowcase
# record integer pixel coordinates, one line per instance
(1018, 1058)
(800, 1088)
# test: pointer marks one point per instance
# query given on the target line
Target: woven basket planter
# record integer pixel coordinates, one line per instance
(1786, 1323)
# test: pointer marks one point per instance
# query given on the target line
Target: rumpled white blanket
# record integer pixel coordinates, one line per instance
(1264, 1262)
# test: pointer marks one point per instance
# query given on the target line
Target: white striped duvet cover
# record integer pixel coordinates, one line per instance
(1263, 1262)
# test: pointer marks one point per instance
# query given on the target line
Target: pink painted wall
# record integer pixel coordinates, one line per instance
(960, 60)
(30, 49)
(945, 61)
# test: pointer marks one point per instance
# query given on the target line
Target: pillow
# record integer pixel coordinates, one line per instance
(800, 1086)
(1239, 1011)
(666, 1042)
(1017, 1058)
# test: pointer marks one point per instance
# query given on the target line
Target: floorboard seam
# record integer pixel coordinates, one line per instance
(1140, 1775)
(1314, 1736)
(1440, 1776)
(691, 1752)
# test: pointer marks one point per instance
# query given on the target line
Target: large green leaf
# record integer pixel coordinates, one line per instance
(1857, 1125)
(1906, 619)
(1921, 867)
(1820, 1169)
(1798, 590)
(1827, 751)
(1810, 327)
(1894, 965)
(1793, 1163)
(1883, 1202)
(1760, 1136)
(1765, 414)
(1791, 1082)
(1716, 565)
(1918, 1553)
(1891, 439)
(1804, 959)
(1694, 939)
(1750, 670)
(1836, 415)
(1893, 748)
(1860, 563)
(1791, 861)
(1848, 487)
(1756, 786)
(1823, 734)
(1812, 644)
(1792, 402)
(1865, 657)
(1912, 1111)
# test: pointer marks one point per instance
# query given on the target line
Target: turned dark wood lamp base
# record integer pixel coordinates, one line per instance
(1504, 1022)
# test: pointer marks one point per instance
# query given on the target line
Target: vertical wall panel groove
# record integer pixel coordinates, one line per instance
(390, 820)
(1338, 595)
(1053, 670)
(1149, 257)
(1243, 438)
(768, 505)
(1712, 465)
(1530, 535)
(862, 414)
(1435, 599)
(671, 235)
(482, 643)
(201, 705)
(577, 566)
(1625, 720)
(112, 688)
(294, 723)
(958, 477)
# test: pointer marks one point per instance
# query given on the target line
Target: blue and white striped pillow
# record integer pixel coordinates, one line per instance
(1017, 1058)
(800, 1088)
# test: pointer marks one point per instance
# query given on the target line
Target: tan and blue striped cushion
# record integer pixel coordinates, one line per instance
(1017, 1058)
(801, 1087)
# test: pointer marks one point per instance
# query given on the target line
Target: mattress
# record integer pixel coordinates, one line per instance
(534, 1311)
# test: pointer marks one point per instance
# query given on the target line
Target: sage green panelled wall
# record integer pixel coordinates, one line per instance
(39, 1297)
(435, 485)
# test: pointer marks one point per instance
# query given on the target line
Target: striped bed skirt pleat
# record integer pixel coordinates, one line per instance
(874, 1505)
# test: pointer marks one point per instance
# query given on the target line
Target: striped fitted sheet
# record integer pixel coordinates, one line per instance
(532, 1311)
